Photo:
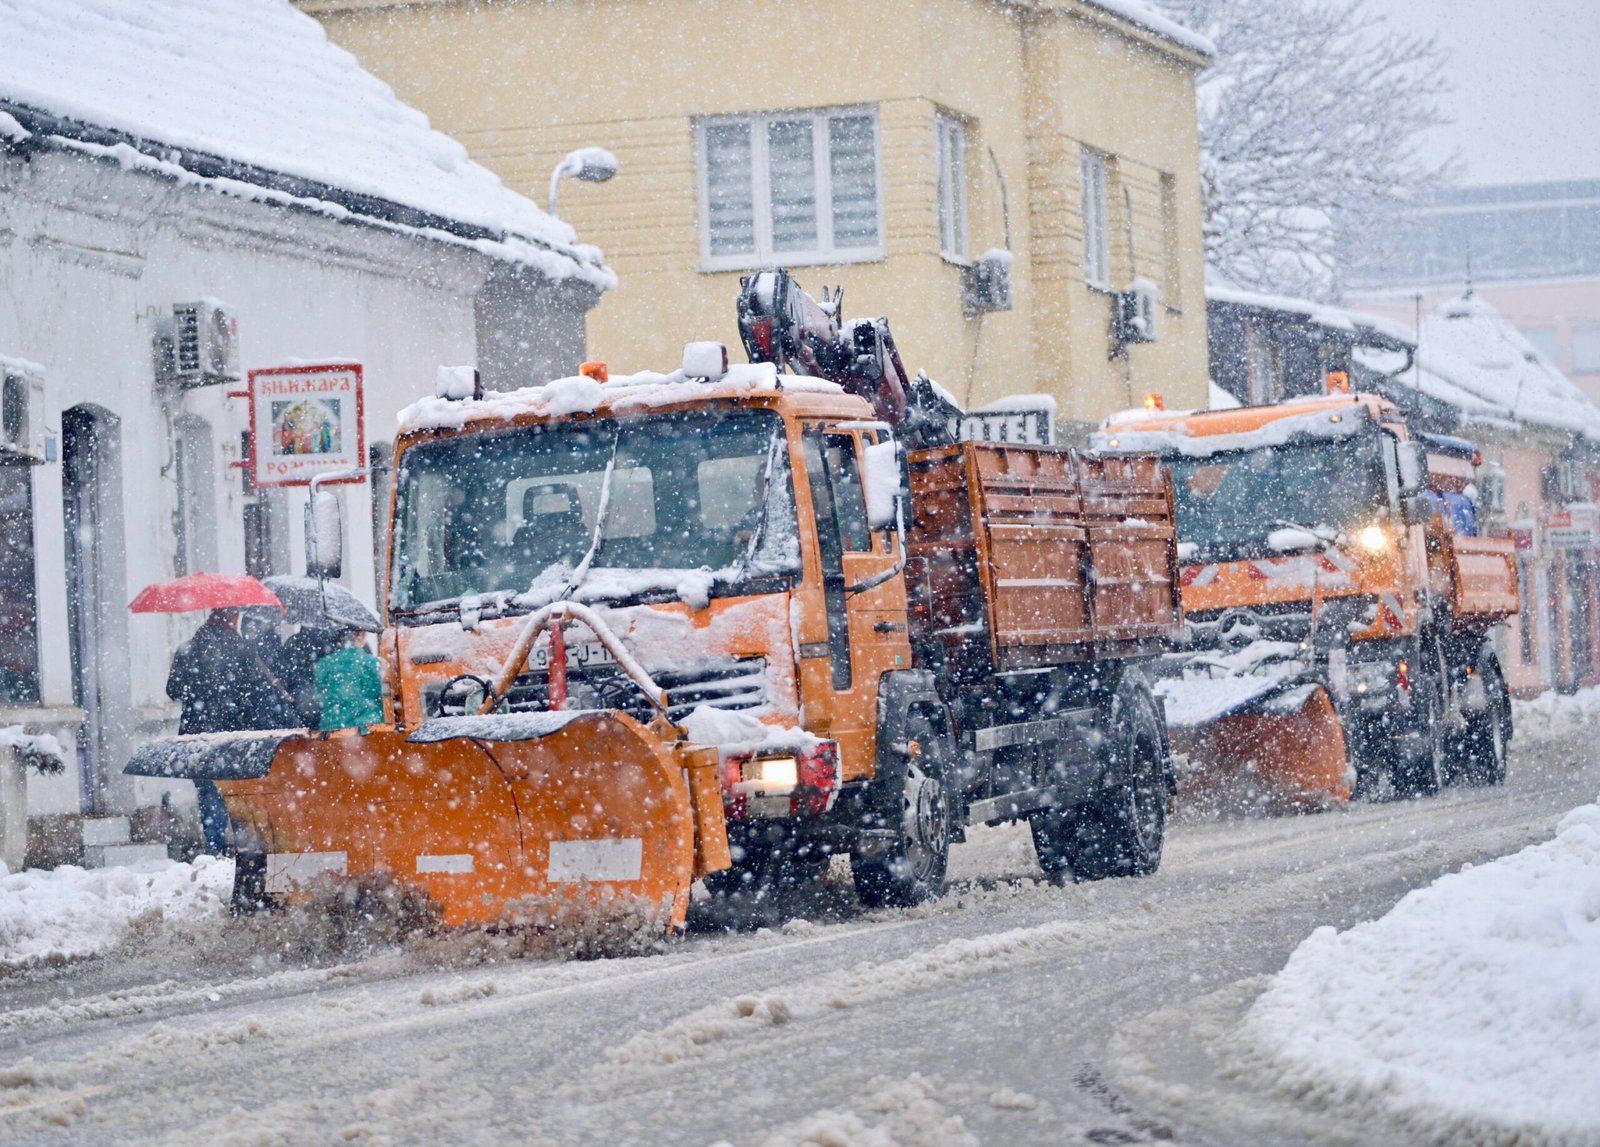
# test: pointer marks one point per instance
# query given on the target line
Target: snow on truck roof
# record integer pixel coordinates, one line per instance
(1201, 433)
(249, 98)
(621, 393)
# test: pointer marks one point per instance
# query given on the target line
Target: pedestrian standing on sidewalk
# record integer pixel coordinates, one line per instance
(349, 686)
(224, 687)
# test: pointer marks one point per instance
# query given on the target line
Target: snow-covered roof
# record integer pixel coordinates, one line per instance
(1142, 14)
(1466, 356)
(1323, 314)
(245, 95)
(1469, 356)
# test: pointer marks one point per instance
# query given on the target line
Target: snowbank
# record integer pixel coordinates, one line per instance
(1471, 1012)
(1552, 715)
(69, 913)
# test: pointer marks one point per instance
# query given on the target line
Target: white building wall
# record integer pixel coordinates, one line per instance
(90, 256)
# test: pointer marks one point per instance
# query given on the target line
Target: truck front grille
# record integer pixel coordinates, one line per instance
(736, 683)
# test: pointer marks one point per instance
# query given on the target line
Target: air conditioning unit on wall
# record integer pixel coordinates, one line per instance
(1141, 309)
(22, 416)
(198, 346)
(986, 285)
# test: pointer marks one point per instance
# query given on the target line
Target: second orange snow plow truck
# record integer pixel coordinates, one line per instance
(1339, 606)
(634, 621)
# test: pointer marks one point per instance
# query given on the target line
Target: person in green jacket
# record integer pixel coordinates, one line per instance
(348, 686)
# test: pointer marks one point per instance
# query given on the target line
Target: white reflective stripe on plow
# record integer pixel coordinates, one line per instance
(286, 871)
(574, 860)
(446, 862)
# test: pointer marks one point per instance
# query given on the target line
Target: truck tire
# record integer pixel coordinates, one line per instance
(1120, 831)
(1418, 762)
(911, 867)
(1489, 732)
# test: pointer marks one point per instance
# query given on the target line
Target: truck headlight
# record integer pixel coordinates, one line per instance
(771, 772)
(1373, 539)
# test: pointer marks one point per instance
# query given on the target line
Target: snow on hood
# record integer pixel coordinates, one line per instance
(259, 83)
(732, 733)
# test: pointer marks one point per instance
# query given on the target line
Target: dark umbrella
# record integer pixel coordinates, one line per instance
(199, 591)
(309, 602)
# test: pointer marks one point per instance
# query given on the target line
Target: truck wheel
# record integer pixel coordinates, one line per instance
(911, 868)
(1120, 831)
(1489, 733)
(1419, 763)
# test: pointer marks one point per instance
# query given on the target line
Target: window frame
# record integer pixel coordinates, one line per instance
(761, 190)
(1094, 178)
(1582, 346)
(1171, 243)
(950, 170)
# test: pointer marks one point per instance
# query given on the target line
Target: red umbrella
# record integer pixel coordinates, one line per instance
(203, 591)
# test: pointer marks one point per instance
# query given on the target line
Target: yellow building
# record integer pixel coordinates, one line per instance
(884, 146)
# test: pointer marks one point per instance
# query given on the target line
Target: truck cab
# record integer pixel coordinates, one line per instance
(1319, 551)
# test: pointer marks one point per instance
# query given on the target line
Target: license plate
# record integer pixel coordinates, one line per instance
(579, 655)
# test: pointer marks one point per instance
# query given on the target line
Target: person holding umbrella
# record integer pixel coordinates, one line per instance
(325, 612)
(216, 676)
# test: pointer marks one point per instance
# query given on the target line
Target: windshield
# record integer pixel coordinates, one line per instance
(516, 512)
(1229, 503)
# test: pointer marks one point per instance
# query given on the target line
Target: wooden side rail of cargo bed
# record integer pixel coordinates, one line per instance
(1049, 555)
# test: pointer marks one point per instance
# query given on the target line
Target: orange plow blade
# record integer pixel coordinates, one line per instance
(527, 815)
(1291, 748)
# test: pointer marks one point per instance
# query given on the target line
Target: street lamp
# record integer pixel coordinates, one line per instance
(590, 164)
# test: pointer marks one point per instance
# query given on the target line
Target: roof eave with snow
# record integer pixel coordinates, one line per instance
(30, 130)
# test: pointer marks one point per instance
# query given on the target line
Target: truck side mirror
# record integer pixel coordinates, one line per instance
(324, 535)
(1416, 509)
(881, 469)
(1412, 458)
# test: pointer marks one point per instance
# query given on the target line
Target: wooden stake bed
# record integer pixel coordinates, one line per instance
(1027, 557)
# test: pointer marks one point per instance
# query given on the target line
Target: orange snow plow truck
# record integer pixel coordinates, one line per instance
(726, 623)
(1339, 605)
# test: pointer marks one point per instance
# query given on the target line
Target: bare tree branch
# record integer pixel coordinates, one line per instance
(1310, 124)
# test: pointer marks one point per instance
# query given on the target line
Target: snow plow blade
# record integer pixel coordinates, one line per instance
(1283, 739)
(522, 816)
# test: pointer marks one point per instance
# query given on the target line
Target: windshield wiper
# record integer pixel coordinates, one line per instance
(602, 514)
(1323, 535)
(759, 533)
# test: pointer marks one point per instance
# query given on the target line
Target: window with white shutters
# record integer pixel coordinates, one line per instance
(1096, 231)
(951, 153)
(794, 187)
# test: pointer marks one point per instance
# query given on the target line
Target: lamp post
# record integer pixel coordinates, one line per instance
(590, 164)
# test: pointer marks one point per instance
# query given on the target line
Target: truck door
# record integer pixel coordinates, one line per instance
(866, 630)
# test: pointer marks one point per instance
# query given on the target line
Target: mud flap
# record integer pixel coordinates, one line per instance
(1285, 738)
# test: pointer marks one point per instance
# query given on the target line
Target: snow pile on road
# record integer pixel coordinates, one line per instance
(69, 913)
(1553, 716)
(905, 1110)
(1470, 1013)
